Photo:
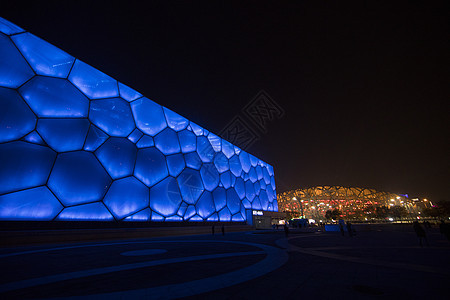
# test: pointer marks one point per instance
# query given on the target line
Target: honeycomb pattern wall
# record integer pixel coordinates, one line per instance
(75, 144)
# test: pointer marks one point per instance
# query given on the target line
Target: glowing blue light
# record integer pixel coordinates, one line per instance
(262, 184)
(220, 198)
(87, 212)
(167, 142)
(259, 172)
(240, 187)
(249, 190)
(237, 218)
(149, 116)
(191, 186)
(235, 165)
(227, 149)
(135, 135)
(165, 197)
(264, 200)
(143, 215)
(252, 175)
(24, 165)
(145, 142)
(196, 218)
(210, 176)
(193, 160)
(92, 82)
(257, 186)
(221, 162)
(256, 204)
(118, 156)
(126, 196)
(205, 205)
(196, 129)
(176, 164)
(213, 218)
(9, 28)
(225, 179)
(128, 93)
(216, 142)
(14, 70)
(34, 138)
(113, 116)
(245, 161)
(233, 201)
(157, 217)
(225, 215)
(64, 134)
(266, 176)
(190, 211)
(150, 166)
(175, 121)
(94, 139)
(78, 177)
(188, 141)
(43, 57)
(253, 160)
(182, 209)
(16, 119)
(174, 219)
(247, 204)
(204, 149)
(33, 204)
(54, 97)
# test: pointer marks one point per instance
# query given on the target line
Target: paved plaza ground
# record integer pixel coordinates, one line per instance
(379, 262)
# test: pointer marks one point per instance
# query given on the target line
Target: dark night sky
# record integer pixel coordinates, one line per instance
(364, 85)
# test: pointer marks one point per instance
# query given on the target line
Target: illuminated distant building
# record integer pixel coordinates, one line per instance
(353, 202)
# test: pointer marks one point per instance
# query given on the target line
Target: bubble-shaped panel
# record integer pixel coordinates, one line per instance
(135, 135)
(149, 116)
(37, 204)
(78, 177)
(9, 28)
(113, 116)
(14, 70)
(167, 142)
(43, 57)
(204, 149)
(235, 165)
(128, 93)
(88, 212)
(233, 201)
(175, 121)
(150, 166)
(16, 119)
(205, 205)
(34, 138)
(145, 142)
(227, 149)
(188, 141)
(190, 211)
(240, 187)
(221, 162)
(92, 82)
(63, 134)
(250, 190)
(225, 215)
(157, 217)
(247, 204)
(143, 215)
(266, 176)
(264, 200)
(213, 218)
(210, 176)
(165, 197)
(226, 180)
(191, 186)
(94, 139)
(54, 97)
(117, 155)
(126, 196)
(24, 165)
(245, 161)
(252, 175)
(216, 142)
(196, 129)
(237, 218)
(259, 172)
(176, 164)
(193, 160)
(253, 160)
(182, 209)
(220, 198)
(256, 204)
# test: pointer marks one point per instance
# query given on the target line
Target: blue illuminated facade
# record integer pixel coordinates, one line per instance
(75, 144)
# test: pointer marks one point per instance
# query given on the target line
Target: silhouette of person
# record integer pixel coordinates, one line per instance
(213, 230)
(350, 229)
(223, 229)
(341, 226)
(286, 230)
(420, 232)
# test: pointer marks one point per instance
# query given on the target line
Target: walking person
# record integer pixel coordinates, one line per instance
(223, 229)
(286, 230)
(341, 226)
(349, 229)
(213, 230)
(420, 232)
